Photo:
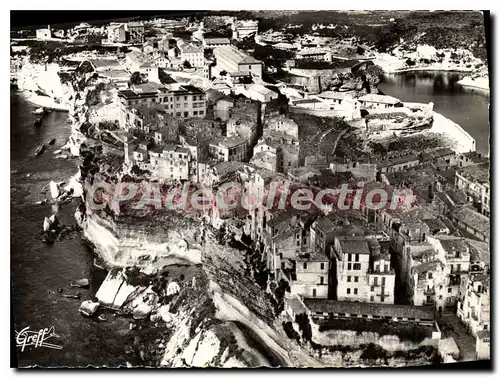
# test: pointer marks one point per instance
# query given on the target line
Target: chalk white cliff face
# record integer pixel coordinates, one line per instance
(37, 78)
(128, 245)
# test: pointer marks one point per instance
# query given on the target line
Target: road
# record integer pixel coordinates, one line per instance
(451, 327)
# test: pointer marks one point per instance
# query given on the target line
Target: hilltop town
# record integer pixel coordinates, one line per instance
(216, 100)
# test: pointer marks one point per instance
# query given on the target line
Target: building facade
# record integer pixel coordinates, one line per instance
(232, 60)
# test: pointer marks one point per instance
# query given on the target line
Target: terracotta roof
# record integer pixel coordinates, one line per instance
(378, 309)
(235, 55)
(217, 41)
(473, 219)
(430, 266)
(483, 334)
(477, 172)
(354, 245)
(315, 256)
(380, 99)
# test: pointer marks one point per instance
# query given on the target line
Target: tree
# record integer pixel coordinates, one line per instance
(186, 64)
(137, 78)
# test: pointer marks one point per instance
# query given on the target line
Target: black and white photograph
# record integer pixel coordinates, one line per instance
(250, 189)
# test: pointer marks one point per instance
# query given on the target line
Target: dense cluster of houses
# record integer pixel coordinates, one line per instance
(430, 253)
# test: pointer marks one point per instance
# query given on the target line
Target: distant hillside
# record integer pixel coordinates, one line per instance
(443, 29)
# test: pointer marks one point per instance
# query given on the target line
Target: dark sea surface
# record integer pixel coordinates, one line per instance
(467, 107)
(38, 269)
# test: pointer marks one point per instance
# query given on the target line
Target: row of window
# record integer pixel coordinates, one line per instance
(349, 257)
(375, 282)
(354, 266)
(322, 266)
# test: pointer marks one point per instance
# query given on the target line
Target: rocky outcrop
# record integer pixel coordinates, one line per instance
(146, 242)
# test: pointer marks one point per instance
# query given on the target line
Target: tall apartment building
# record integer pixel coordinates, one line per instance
(475, 181)
(232, 60)
(311, 275)
(436, 274)
(116, 33)
(180, 101)
(244, 28)
(135, 32)
(474, 304)
(193, 55)
(363, 269)
(229, 149)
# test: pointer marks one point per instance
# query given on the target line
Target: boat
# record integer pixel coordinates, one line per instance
(39, 111)
(54, 190)
(40, 150)
(82, 283)
(73, 296)
(52, 141)
(38, 122)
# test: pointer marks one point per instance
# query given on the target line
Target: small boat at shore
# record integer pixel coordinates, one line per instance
(40, 150)
(52, 141)
(38, 122)
(39, 111)
(81, 283)
(72, 296)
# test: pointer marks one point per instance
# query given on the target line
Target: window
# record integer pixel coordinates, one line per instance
(282, 265)
(298, 245)
(383, 281)
(201, 112)
(430, 273)
(322, 280)
(349, 257)
(281, 255)
(186, 114)
(357, 258)
(314, 292)
(372, 298)
(375, 281)
(356, 279)
(357, 266)
(449, 290)
(382, 299)
(322, 266)
(195, 112)
(348, 291)
(355, 291)
(348, 278)
(249, 68)
(372, 288)
(185, 98)
(305, 265)
(349, 266)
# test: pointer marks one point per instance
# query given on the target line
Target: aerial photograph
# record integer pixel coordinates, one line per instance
(250, 188)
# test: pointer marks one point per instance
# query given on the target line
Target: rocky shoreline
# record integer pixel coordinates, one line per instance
(475, 83)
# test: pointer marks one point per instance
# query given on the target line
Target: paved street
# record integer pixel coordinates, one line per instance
(450, 326)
